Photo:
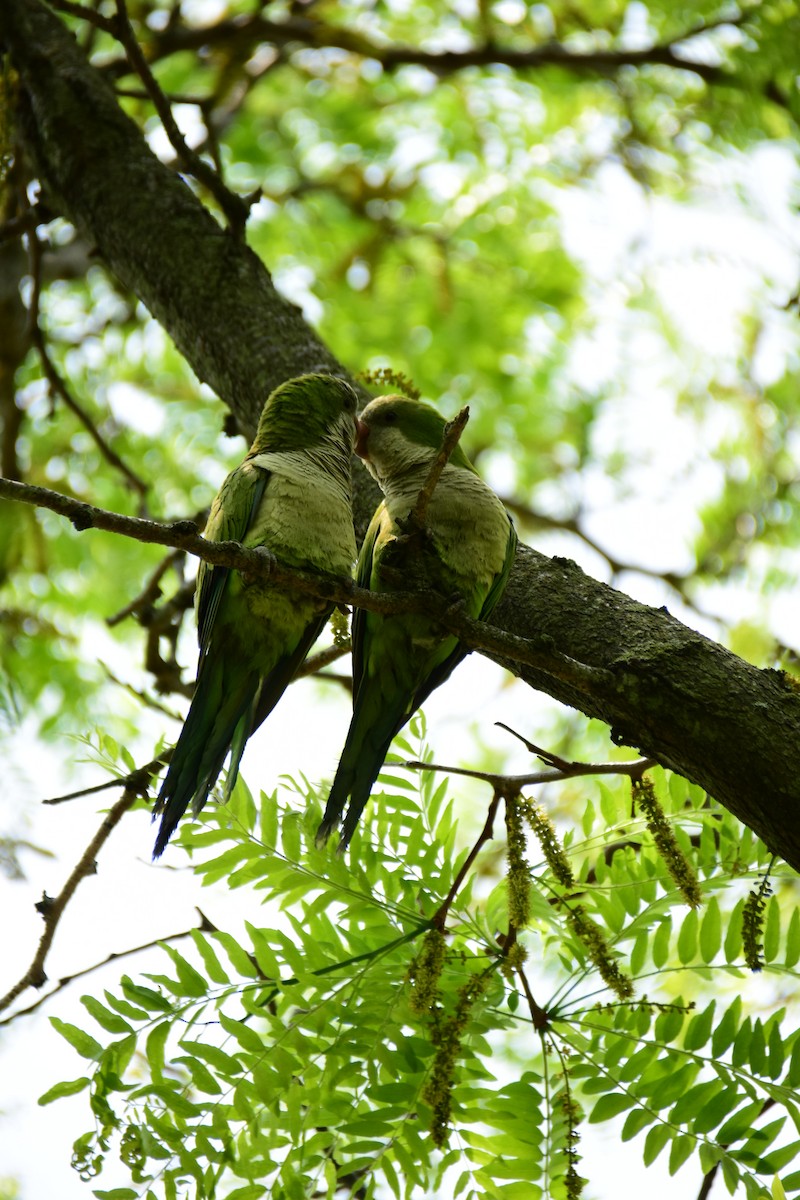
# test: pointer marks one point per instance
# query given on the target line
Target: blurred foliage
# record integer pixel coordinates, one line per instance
(348, 1043)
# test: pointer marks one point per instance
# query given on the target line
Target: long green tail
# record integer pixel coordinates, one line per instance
(220, 719)
(364, 752)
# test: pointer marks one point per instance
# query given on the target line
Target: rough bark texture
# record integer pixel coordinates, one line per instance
(661, 687)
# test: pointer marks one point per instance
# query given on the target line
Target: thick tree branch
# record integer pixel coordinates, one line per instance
(662, 688)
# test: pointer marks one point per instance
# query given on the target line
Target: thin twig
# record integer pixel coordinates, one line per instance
(616, 566)
(107, 24)
(635, 769)
(487, 833)
(205, 926)
(452, 432)
(507, 783)
(138, 694)
(14, 227)
(57, 383)
(236, 208)
(137, 781)
(315, 662)
(53, 909)
(539, 1015)
(149, 594)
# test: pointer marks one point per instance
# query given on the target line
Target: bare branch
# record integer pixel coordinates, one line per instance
(315, 662)
(315, 33)
(487, 833)
(53, 909)
(452, 432)
(149, 594)
(114, 956)
(107, 24)
(508, 784)
(236, 209)
(57, 383)
(137, 782)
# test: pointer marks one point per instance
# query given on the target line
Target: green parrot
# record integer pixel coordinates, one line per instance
(292, 495)
(466, 550)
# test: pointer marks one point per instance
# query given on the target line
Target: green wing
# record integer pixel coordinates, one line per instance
(231, 515)
(459, 653)
(364, 579)
(498, 587)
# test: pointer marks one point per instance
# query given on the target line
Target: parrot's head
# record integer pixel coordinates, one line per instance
(304, 413)
(396, 435)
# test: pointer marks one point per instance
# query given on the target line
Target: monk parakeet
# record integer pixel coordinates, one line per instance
(292, 495)
(466, 550)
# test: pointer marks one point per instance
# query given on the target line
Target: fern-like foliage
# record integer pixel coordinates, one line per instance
(381, 1025)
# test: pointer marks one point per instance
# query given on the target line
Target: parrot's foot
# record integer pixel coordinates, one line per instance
(265, 567)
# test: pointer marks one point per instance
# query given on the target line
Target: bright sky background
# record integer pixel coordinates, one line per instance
(709, 261)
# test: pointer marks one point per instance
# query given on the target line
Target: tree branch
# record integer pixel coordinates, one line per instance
(235, 208)
(52, 909)
(241, 33)
(260, 564)
(114, 956)
(452, 432)
(57, 384)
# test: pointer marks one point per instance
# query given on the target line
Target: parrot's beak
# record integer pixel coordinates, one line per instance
(362, 433)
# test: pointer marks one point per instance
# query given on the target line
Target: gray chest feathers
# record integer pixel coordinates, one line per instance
(305, 514)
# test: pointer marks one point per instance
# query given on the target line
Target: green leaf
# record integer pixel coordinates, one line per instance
(264, 954)
(241, 961)
(687, 937)
(191, 981)
(730, 1172)
(151, 1000)
(105, 1017)
(699, 1028)
(226, 1064)
(661, 943)
(733, 934)
(777, 1187)
(608, 1106)
(682, 1146)
(636, 1120)
(86, 1045)
(710, 931)
(725, 1032)
(772, 930)
(154, 1048)
(740, 1124)
(202, 1078)
(247, 1038)
(213, 966)
(68, 1088)
(793, 1073)
(758, 1048)
(654, 1143)
(793, 939)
